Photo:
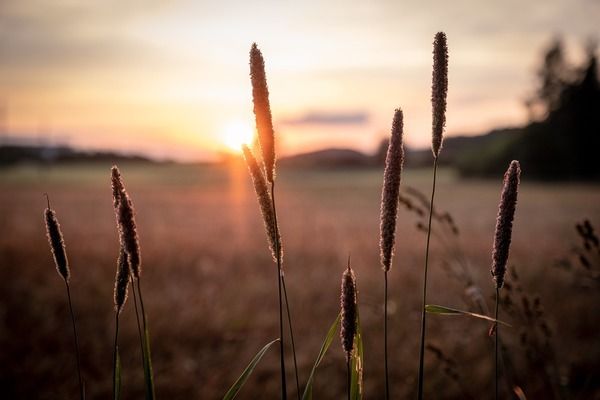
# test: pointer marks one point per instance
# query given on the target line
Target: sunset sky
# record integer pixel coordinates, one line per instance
(170, 78)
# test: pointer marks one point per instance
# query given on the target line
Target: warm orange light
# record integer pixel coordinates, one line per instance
(237, 133)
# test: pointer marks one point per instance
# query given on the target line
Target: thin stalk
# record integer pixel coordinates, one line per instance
(279, 276)
(77, 356)
(423, 314)
(496, 342)
(289, 318)
(385, 339)
(137, 317)
(146, 345)
(348, 375)
(115, 353)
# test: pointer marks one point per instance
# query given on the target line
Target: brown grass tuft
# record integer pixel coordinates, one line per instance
(439, 91)
(265, 203)
(262, 111)
(126, 223)
(121, 281)
(348, 310)
(391, 191)
(504, 222)
(57, 244)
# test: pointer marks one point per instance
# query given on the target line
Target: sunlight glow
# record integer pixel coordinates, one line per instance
(236, 133)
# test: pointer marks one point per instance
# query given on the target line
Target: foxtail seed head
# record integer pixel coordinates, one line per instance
(57, 244)
(265, 203)
(348, 311)
(262, 111)
(504, 222)
(126, 223)
(439, 91)
(121, 281)
(391, 191)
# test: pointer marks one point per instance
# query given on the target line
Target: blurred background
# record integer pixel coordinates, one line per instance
(162, 89)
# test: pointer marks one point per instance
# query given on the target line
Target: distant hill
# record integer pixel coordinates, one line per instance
(16, 154)
(328, 158)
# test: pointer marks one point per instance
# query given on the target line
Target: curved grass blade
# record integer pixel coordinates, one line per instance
(235, 388)
(356, 383)
(117, 383)
(148, 375)
(324, 347)
(442, 310)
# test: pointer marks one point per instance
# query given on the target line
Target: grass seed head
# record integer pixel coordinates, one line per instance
(348, 310)
(265, 203)
(57, 244)
(262, 111)
(126, 223)
(391, 191)
(504, 222)
(121, 281)
(439, 91)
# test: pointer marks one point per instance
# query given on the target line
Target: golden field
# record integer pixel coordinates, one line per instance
(210, 283)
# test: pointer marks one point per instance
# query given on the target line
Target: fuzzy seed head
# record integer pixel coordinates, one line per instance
(126, 223)
(262, 111)
(121, 281)
(504, 222)
(391, 191)
(439, 91)
(348, 311)
(265, 203)
(57, 244)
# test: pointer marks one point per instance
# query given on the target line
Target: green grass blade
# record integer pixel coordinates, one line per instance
(442, 310)
(356, 382)
(235, 388)
(117, 383)
(148, 374)
(324, 347)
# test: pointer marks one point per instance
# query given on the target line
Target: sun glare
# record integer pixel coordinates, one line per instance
(236, 134)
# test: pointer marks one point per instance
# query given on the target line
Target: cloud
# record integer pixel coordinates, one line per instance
(328, 118)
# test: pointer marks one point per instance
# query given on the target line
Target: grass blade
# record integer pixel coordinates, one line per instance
(324, 347)
(235, 388)
(148, 375)
(442, 310)
(117, 383)
(356, 385)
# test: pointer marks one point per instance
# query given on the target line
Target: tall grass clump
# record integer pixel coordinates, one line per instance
(439, 92)
(389, 211)
(349, 314)
(129, 240)
(264, 184)
(59, 253)
(502, 238)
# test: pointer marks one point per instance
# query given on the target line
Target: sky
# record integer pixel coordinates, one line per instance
(170, 79)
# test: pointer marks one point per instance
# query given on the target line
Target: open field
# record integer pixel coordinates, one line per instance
(210, 283)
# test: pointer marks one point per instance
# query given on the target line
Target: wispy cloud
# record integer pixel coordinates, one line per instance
(328, 118)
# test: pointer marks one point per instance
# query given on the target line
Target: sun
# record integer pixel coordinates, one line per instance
(237, 133)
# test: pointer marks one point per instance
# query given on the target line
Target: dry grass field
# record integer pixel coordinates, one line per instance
(210, 283)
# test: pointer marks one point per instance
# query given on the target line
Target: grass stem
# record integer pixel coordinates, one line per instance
(279, 278)
(77, 355)
(115, 351)
(349, 375)
(147, 359)
(496, 343)
(423, 314)
(289, 318)
(137, 317)
(385, 336)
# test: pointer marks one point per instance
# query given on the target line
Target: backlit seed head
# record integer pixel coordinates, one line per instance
(57, 244)
(121, 281)
(439, 91)
(504, 222)
(348, 311)
(391, 191)
(262, 111)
